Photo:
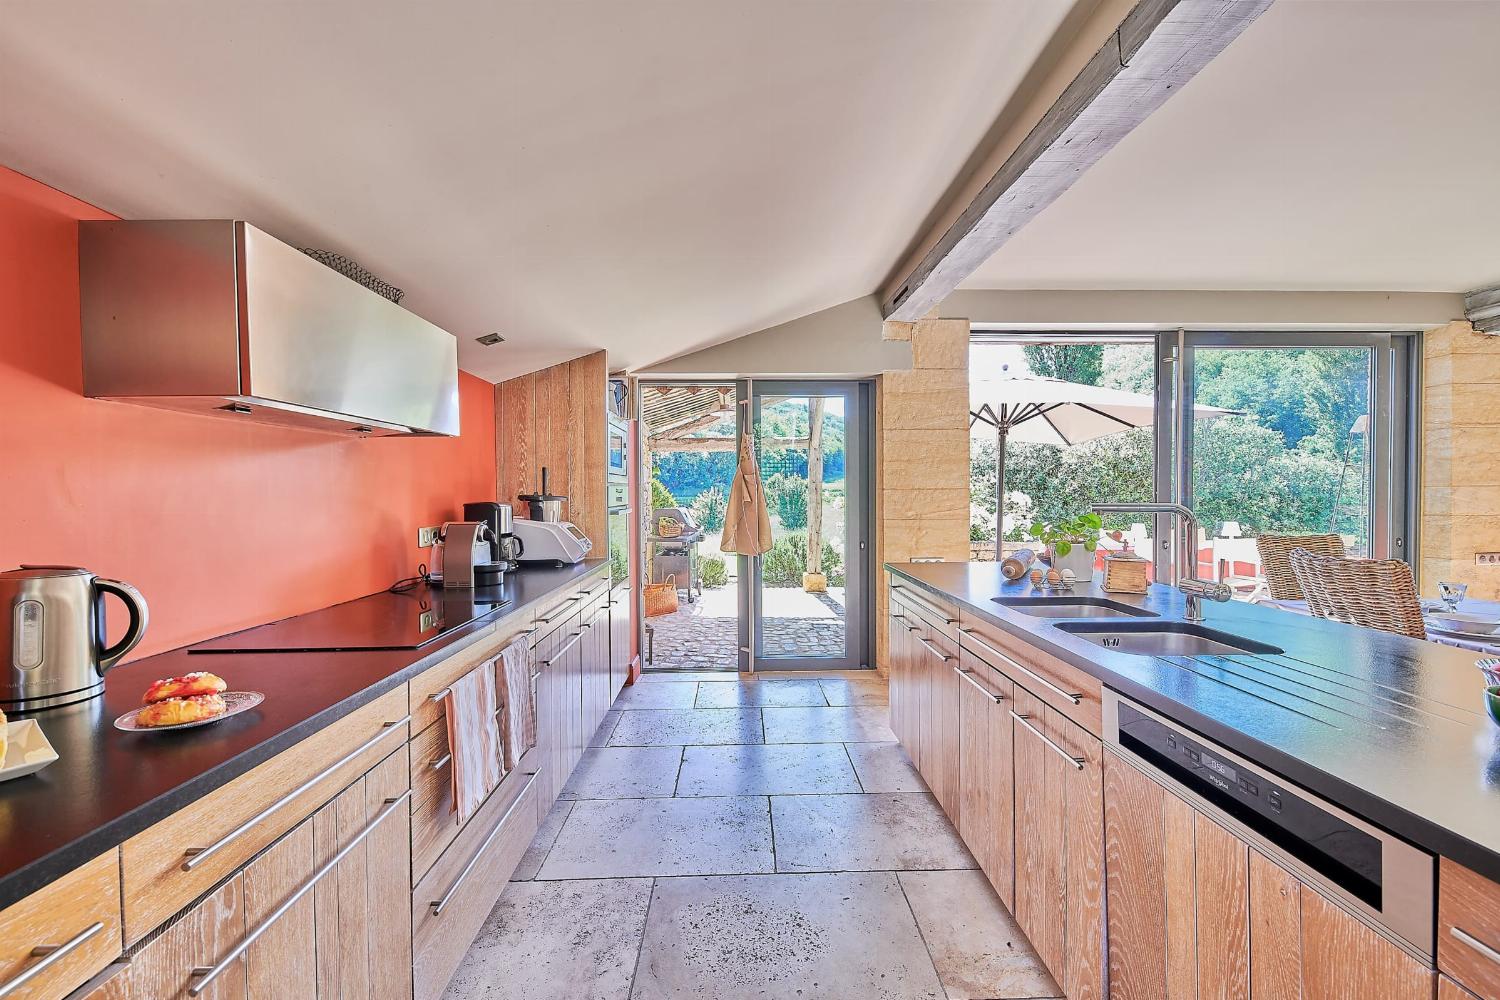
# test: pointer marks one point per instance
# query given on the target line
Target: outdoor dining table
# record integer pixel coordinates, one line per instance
(1468, 606)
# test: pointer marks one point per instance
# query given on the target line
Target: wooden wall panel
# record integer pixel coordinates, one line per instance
(1276, 929)
(556, 418)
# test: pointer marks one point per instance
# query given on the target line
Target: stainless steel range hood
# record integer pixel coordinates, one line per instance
(218, 317)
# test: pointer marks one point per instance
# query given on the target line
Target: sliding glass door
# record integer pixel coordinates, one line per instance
(807, 603)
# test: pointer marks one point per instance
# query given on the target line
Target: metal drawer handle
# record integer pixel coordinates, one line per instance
(560, 611)
(1073, 696)
(566, 646)
(202, 975)
(933, 649)
(1476, 944)
(50, 955)
(439, 904)
(968, 675)
(197, 855)
(920, 602)
(1024, 720)
(442, 762)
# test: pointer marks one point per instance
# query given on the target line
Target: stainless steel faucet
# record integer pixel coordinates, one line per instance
(1187, 570)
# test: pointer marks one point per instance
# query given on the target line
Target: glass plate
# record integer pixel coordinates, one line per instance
(235, 702)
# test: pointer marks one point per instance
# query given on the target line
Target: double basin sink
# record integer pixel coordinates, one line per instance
(1124, 628)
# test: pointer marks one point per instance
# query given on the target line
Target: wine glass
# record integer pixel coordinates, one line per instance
(1452, 594)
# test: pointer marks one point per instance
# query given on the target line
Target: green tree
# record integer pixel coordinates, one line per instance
(1072, 362)
(708, 509)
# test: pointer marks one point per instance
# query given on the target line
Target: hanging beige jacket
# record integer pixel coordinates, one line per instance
(747, 522)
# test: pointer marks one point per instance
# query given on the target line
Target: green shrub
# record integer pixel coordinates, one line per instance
(713, 571)
(660, 495)
(709, 507)
(784, 565)
(786, 496)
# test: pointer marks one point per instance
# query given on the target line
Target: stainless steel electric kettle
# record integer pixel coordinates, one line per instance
(52, 632)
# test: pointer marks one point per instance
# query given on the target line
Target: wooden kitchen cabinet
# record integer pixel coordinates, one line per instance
(1469, 928)
(1059, 844)
(348, 936)
(899, 680)
(986, 775)
(1177, 888)
(77, 915)
(559, 706)
(1194, 911)
(937, 656)
(621, 629)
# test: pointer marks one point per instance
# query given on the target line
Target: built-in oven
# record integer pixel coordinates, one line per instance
(617, 454)
(1374, 874)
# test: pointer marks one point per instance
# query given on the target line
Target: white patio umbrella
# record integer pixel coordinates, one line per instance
(1054, 411)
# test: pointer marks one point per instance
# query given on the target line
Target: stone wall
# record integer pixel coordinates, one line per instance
(1460, 491)
(922, 454)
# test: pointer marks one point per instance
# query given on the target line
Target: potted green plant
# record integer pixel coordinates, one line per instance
(1072, 541)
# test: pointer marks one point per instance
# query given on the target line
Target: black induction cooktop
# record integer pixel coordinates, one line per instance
(385, 620)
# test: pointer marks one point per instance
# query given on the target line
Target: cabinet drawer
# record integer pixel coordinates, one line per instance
(77, 918)
(451, 903)
(170, 864)
(929, 608)
(428, 687)
(1073, 692)
(434, 824)
(163, 969)
(1469, 928)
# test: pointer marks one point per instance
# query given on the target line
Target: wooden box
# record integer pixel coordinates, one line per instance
(1125, 573)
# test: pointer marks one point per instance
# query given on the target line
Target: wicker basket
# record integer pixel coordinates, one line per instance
(668, 527)
(1375, 593)
(660, 598)
(1276, 565)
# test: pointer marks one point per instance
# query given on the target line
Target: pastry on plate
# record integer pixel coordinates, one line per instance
(187, 686)
(176, 711)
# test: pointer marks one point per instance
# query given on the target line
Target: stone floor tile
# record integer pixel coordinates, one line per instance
(850, 724)
(756, 694)
(808, 937)
(622, 838)
(848, 691)
(786, 769)
(681, 727)
(884, 767)
(672, 694)
(884, 832)
(574, 940)
(624, 773)
(600, 738)
(659, 676)
(541, 842)
(979, 951)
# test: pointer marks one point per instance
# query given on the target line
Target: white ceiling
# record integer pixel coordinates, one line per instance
(650, 177)
(1347, 145)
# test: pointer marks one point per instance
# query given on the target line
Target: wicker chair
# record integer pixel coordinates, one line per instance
(1277, 567)
(1375, 593)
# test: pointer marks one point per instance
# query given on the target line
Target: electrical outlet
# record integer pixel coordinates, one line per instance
(1487, 558)
(427, 537)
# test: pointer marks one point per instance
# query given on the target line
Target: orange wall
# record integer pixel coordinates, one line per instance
(220, 524)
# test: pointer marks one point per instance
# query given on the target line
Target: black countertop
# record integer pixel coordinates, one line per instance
(108, 785)
(1390, 728)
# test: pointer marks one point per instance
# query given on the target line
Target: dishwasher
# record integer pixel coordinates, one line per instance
(1383, 880)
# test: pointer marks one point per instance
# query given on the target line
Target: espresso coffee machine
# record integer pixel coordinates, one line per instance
(505, 547)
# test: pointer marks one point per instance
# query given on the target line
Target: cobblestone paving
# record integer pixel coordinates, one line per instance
(685, 642)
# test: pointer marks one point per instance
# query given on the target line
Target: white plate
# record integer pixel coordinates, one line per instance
(235, 702)
(25, 738)
(1485, 639)
(1468, 624)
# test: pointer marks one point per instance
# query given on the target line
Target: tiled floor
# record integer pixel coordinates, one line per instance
(729, 838)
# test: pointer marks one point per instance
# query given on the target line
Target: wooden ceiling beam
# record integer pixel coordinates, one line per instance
(1157, 48)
